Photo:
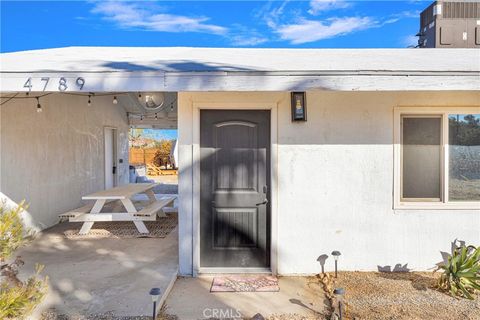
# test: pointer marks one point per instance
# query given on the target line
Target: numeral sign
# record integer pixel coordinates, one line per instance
(63, 83)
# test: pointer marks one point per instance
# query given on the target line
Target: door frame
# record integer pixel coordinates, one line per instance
(273, 107)
(115, 155)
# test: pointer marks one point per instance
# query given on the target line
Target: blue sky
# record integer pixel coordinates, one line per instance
(160, 134)
(305, 24)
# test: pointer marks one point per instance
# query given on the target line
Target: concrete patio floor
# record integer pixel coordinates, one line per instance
(298, 298)
(100, 275)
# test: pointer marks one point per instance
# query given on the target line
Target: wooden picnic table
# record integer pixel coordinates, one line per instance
(90, 214)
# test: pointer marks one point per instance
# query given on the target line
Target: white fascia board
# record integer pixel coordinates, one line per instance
(243, 81)
(93, 81)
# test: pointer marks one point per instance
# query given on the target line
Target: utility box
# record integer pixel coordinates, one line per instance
(450, 24)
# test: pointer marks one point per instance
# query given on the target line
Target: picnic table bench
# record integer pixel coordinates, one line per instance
(91, 213)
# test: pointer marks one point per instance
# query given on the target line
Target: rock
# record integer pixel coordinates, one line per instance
(258, 316)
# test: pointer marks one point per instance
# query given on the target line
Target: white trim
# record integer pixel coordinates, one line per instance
(219, 271)
(273, 107)
(247, 81)
(443, 204)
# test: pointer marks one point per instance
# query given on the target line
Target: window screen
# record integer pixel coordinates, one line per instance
(421, 158)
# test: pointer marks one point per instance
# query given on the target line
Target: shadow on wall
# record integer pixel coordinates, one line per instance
(322, 259)
(397, 268)
(26, 216)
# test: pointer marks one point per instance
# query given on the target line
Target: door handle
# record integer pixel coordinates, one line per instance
(261, 203)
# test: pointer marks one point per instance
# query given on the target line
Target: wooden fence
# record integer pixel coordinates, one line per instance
(139, 156)
(142, 156)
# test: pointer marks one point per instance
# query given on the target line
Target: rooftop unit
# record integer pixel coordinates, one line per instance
(450, 24)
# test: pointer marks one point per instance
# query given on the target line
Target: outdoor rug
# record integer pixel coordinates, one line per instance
(245, 284)
(123, 230)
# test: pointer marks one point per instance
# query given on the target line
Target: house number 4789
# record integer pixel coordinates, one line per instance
(63, 84)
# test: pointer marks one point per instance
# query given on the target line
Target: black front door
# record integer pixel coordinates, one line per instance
(235, 189)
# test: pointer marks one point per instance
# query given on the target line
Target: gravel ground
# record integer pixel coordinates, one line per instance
(369, 295)
(53, 315)
(402, 296)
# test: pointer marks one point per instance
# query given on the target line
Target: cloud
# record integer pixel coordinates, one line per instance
(271, 15)
(247, 41)
(130, 15)
(318, 6)
(402, 15)
(240, 35)
(314, 30)
(409, 41)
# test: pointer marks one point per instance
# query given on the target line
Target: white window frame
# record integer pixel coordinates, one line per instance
(421, 204)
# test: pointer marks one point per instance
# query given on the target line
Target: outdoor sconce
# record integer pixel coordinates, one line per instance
(339, 292)
(299, 106)
(155, 294)
(336, 255)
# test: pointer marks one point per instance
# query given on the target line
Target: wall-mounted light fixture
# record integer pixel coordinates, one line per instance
(299, 106)
(39, 106)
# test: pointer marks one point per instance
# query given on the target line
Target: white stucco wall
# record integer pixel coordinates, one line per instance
(335, 183)
(52, 158)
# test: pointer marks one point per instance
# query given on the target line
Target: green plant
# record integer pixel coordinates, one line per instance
(461, 273)
(17, 298)
(18, 301)
(12, 232)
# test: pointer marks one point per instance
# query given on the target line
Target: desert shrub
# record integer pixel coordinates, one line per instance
(18, 301)
(12, 233)
(17, 298)
(162, 155)
(461, 273)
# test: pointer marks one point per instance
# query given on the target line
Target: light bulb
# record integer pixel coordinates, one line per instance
(115, 101)
(89, 103)
(39, 106)
(156, 117)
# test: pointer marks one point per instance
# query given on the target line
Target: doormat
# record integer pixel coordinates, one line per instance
(124, 229)
(245, 284)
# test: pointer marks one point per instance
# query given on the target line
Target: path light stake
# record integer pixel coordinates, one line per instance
(339, 292)
(335, 255)
(155, 294)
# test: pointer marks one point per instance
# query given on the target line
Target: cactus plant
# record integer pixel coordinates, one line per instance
(461, 273)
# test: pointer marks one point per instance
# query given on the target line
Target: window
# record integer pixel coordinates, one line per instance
(421, 158)
(464, 157)
(437, 158)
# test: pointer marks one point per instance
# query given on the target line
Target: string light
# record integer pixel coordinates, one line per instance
(171, 107)
(39, 106)
(29, 96)
(141, 118)
(139, 96)
(89, 103)
(156, 117)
